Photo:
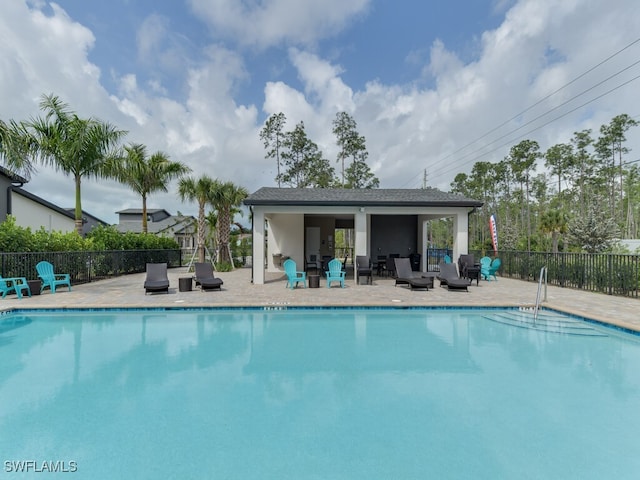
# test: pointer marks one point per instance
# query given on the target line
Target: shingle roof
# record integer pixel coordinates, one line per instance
(173, 224)
(358, 197)
(138, 211)
(13, 176)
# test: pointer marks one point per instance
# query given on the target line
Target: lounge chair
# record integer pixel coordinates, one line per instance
(157, 279)
(15, 284)
(405, 276)
(205, 278)
(51, 279)
(364, 269)
(491, 269)
(335, 273)
(294, 277)
(449, 277)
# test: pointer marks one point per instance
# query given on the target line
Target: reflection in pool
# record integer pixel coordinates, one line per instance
(353, 393)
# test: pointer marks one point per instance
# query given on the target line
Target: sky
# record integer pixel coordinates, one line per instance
(433, 86)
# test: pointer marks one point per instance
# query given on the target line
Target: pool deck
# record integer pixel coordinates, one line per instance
(127, 291)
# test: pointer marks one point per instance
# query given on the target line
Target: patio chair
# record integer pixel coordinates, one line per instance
(381, 265)
(465, 261)
(364, 269)
(15, 284)
(51, 279)
(390, 266)
(335, 273)
(312, 263)
(293, 276)
(205, 278)
(449, 277)
(406, 276)
(490, 270)
(157, 279)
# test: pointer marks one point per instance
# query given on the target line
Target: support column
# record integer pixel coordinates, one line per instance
(424, 267)
(258, 247)
(360, 228)
(460, 235)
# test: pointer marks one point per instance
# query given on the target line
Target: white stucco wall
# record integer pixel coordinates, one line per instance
(35, 215)
(288, 241)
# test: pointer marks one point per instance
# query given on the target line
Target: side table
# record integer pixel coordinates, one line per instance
(474, 273)
(314, 281)
(34, 286)
(431, 276)
(185, 284)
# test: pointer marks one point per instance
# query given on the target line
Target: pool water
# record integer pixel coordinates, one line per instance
(319, 394)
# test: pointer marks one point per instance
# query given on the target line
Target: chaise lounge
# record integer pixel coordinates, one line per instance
(205, 277)
(406, 276)
(157, 279)
(449, 277)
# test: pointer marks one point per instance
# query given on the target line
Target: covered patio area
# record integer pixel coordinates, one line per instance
(301, 224)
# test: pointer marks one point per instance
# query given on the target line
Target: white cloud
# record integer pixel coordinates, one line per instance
(538, 48)
(272, 22)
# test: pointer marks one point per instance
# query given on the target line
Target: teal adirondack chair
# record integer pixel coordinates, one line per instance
(335, 273)
(51, 279)
(489, 269)
(495, 265)
(293, 276)
(16, 284)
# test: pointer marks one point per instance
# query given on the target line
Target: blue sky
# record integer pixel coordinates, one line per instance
(431, 85)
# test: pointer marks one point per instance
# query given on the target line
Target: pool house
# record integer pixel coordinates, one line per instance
(299, 223)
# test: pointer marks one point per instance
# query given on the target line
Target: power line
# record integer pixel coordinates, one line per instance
(508, 142)
(541, 101)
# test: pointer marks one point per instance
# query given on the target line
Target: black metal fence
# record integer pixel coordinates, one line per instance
(87, 266)
(435, 256)
(612, 274)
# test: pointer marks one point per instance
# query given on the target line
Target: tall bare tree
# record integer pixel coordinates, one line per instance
(272, 135)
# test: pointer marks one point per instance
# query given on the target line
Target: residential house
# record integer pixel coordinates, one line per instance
(182, 228)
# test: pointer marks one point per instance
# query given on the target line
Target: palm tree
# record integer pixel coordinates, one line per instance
(198, 190)
(80, 147)
(225, 198)
(15, 144)
(146, 175)
(554, 222)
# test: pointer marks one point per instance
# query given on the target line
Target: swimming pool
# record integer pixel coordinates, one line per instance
(318, 394)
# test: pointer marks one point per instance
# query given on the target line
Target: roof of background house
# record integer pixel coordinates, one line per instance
(174, 223)
(86, 214)
(423, 197)
(138, 211)
(14, 177)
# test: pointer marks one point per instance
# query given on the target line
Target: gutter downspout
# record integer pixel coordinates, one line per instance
(253, 246)
(473, 210)
(10, 189)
